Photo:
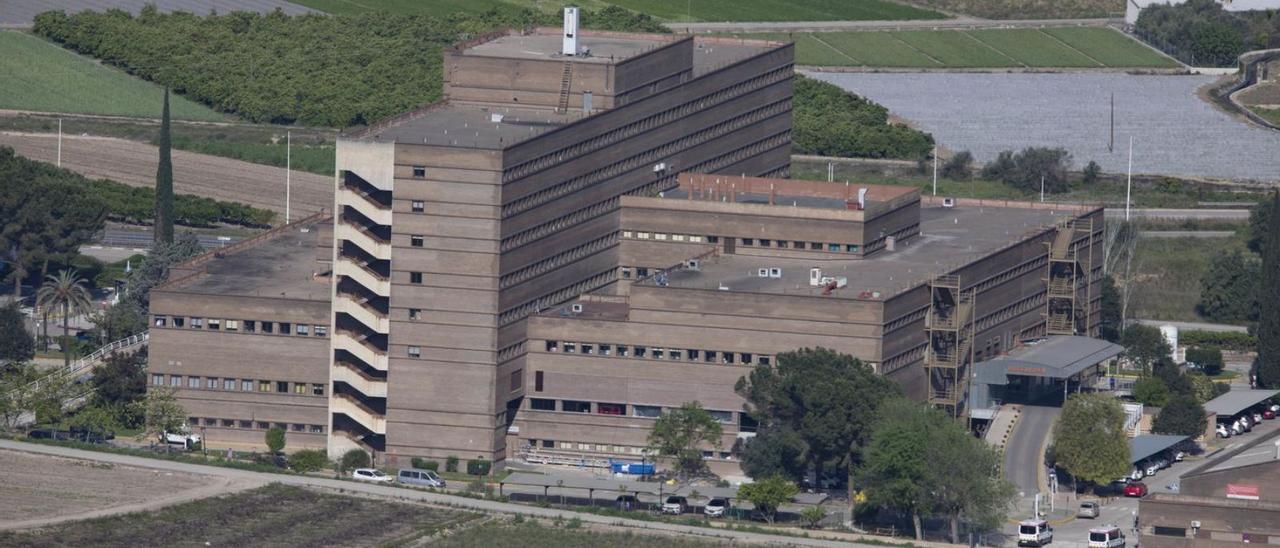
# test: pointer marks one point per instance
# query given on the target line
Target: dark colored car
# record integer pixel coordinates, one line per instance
(45, 434)
(627, 502)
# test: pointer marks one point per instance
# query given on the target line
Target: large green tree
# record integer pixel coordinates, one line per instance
(1259, 225)
(826, 398)
(774, 452)
(1151, 391)
(1267, 366)
(681, 434)
(119, 383)
(1183, 415)
(1090, 442)
(163, 232)
(895, 473)
(767, 494)
(1144, 345)
(1109, 320)
(1031, 169)
(16, 343)
(1207, 358)
(67, 293)
(1230, 288)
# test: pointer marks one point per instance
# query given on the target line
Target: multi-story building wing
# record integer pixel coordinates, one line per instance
(456, 222)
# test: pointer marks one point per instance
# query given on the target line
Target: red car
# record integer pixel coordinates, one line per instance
(1135, 489)
(1268, 414)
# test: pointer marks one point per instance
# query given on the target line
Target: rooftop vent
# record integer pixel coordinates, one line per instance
(948, 202)
(576, 308)
(570, 31)
(815, 277)
(495, 118)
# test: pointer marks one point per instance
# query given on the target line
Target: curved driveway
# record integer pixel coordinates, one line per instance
(1023, 455)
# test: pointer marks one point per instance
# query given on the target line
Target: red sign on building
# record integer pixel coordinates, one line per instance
(1242, 491)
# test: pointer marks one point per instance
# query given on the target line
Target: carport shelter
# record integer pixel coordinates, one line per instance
(1020, 372)
(1143, 447)
(1237, 401)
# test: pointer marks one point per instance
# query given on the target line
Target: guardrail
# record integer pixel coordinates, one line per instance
(92, 360)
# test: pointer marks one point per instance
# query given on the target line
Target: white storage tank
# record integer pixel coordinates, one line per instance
(1171, 336)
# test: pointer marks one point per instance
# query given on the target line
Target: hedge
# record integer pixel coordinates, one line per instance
(1226, 340)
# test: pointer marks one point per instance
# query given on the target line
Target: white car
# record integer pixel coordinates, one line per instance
(371, 474)
(1223, 431)
(184, 438)
(1137, 474)
(1152, 468)
(716, 508)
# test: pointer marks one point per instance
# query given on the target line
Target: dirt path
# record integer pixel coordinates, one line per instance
(134, 163)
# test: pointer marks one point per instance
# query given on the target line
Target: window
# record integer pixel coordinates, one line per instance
(695, 239)
(537, 381)
(263, 425)
(157, 380)
(710, 356)
(726, 357)
(209, 422)
(317, 429)
(570, 348)
(573, 406)
(228, 384)
(748, 242)
(640, 351)
(642, 235)
(782, 244)
(540, 404)
(588, 348)
(228, 423)
(419, 172)
(414, 351)
(658, 354)
(626, 234)
(763, 360)
(286, 328)
(1169, 531)
(746, 359)
(175, 380)
(722, 416)
(160, 321)
(246, 385)
(623, 351)
(552, 346)
(264, 386)
(299, 389)
(646, 411)
(317, 390)
(321, 330)
(233, 325)
(611, 409)
(746, 423)
(418, 206)
(691, 355)
(197, 323)
(816, 246)
(833, 248)
(268, 327)
(246, 424)
(606, 350)
(764, 243)
(416, 241)
(303, 329)
(548, 444)
(626, 273)
(677, 237)
(517, 379)
(215, 324)
(642, 272)
(250, 326)
(415, 277)
(673, 354)
(211, 383)
(660, 236)
(299, 428)
(851, 248)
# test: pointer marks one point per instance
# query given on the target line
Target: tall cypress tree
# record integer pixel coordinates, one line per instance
(163, 232)
(1268, 364)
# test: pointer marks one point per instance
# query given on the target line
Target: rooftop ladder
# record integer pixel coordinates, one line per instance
(566, 79)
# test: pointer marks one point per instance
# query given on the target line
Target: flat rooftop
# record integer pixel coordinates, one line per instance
(282, 267)
(603, 50)
(795, 200)
(949, 238)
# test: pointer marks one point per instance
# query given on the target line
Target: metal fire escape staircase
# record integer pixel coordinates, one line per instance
(566, 79)
(1069, 280)
(950, 328)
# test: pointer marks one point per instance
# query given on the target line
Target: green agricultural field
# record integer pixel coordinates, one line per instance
(1073, 47)
(673, 10)
(41, 76)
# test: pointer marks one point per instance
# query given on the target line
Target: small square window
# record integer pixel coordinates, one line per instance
(548, 444)
(626, 273)
(746, 359)
(416, 241)
(833, 247)
(764, 243)
(658, 354)
(677, 237)
(552, 346)
(660, 236)
(321, 330)
(299, 389)
(215, 324)
(317, 390)
(623, 351)
(415, 313)
(419, 172)
(286, 328)
(763, 360)
(695, 239)
(160, 321)
(783, 244)
(211, 383)
(157, 380)
(303, 329)
(627, 234)
(570, 348)
(588, 349)
(538, 404)
(816, 246)
(268, 327)
(640, 351)
(233, 325)
(642, 235)
(175, 380)
(851, 248)
(208, 422)
(228, 384)
(415, 351)
(713, 239)
(673, 353)
(709, 356)
(228, 423)
(317, 429)
(692, 355)
(250, 326)
(748, 241)
(419, 206)
(606, 350)
(415, 277)
(299, 428)
(246, 385)
(642, 272)
(246, 424)
(282, 387)
(264, 386)
(197, 323)
(263, 425)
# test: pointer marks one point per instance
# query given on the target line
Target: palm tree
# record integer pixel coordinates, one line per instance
(65, 290)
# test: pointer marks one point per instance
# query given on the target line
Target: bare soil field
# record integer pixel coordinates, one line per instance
(134, 163)
(39, 489)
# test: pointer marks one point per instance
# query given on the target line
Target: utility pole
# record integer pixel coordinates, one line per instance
(935, 170)
(831, 172)
(1042, 187)
(288, 171)
(59, 142)
(1128, 187)
(1111, 145)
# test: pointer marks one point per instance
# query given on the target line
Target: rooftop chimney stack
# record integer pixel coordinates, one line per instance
(570, 31)
(862, 198)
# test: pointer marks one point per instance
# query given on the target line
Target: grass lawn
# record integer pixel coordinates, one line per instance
(41, 76)
(275, 515)
(673, 10)
(1073, 47)
(1168, 275)
(1270, 114)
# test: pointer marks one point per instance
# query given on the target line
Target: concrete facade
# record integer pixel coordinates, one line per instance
(457, 222)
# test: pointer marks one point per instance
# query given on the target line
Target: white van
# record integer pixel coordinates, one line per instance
(1034, 532)
(1106, 537)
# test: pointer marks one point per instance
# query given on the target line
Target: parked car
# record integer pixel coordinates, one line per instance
(371, 474)
(424, 478)
(1034, 532)
(675, 505)
(1152, 468)
(1135, 489)
(183, 437)
(627, 502)
(1257, 416)
(1137, 473)
(716, 508)
(1223, 431)
(1268, 414)
(1089, 509)
(1106, 537)
(46, 434)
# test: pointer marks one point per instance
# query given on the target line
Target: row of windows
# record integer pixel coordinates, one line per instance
(246, 326)
(555, 297)
(670, 115)
(196, 382)
(746, 242)
(611, 448)
(558, 260)
(525, 236)
(621, 409)
(255, 425)
(643, 159)
(654, 353)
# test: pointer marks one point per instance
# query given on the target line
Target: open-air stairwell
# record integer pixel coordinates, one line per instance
(344, 340)
(363, 239)
(362, 275)
(349, 406)
(365, 205)
(364, 313)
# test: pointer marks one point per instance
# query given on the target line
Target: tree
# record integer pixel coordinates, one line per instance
(895, 473)
(681, 434)
(959, 167)
(1267, 364)
(768, 494)
(162, 414)
(48, 398)
(1031, 168)
(1208, 358)
(963, 474)
(15, 393)
(1143, 345)
(16, 344)
(1091, 172)
(155, 268)
(1183, 415)
(1109, 320)
(830, 121)
(120, 320)
(163, 232)
(1090, 442)
(1259, 225)
(308, 460)
(275, 440)
(67, 292)
(812, 516)
(1151, 391)
(121, 381)
(774, 452)
(827, 399)
(352, 459)
(95, 419)
(1230, 289)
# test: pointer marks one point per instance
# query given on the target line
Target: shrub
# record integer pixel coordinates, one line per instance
(451, 464)
(812, 516)
(275, 440)
(573, 523)
(959, 167)
(355, 458)
(1227, 340)
(1208, 358)
(1031, 167)
(1091, 172)
(425, 464)
(309, 460)
(478, 467)
(1151, 391)
(829, 121)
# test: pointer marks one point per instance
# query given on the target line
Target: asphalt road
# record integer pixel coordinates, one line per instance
(1186, 233)
(141, 239)
(831, 26)
(1199, 326)
(1023, 458)
(1162, 213)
